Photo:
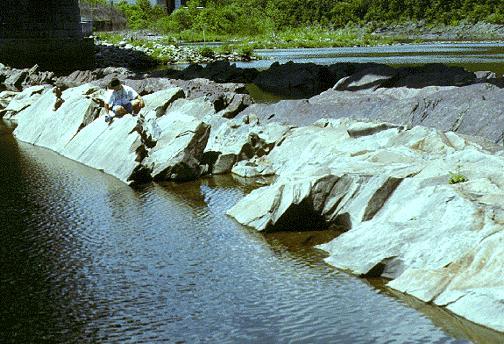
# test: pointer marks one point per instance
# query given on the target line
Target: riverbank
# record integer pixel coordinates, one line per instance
(421, 31)
(170, 50)
(378, 139)
(173, 49)
(123, 50)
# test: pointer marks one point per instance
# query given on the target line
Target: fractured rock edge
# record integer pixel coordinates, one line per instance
(129, 147)
(389, 188)
(348, 173)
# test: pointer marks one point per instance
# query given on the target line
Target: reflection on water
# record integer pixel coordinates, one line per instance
(85, 258)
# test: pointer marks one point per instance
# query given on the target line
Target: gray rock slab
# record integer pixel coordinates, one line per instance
(40, 125)
(22, 100)
(472, 110)
(388, 187)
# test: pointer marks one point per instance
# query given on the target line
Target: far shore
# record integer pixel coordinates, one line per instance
(199, 48)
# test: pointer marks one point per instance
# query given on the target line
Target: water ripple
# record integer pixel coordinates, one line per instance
(88, 259)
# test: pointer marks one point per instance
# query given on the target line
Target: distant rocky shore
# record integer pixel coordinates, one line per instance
(480, 31)
(407, 162)
(143, 54)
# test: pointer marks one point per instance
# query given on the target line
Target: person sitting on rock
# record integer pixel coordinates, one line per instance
(121, 99)
(59, 100)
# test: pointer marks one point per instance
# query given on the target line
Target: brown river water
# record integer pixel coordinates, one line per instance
(85, 258)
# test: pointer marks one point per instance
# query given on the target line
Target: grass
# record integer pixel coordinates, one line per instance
(113, 38)
(309, 37)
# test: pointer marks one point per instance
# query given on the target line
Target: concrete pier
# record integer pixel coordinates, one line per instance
(47, 33)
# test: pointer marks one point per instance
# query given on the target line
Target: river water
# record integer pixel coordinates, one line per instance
(85, 258)
(472, 56)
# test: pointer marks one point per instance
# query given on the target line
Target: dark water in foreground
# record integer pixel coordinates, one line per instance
(85, 258)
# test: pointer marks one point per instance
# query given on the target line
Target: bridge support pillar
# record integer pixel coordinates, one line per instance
(47, 33)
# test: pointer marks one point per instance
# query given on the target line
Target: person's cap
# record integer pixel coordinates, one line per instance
(114, 83)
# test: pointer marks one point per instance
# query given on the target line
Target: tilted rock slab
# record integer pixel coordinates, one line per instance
(471, 110)
(388, 187)
(20, 100)
(232, 141)
(77, 131)
(5, 98)
(128, 148)
(40, 125)
(180, 136)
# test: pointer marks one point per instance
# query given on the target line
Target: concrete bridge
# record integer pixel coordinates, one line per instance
(47, 33)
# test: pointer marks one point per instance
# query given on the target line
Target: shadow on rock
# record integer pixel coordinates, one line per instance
(111, 56)
(373, 76)
(305, 80)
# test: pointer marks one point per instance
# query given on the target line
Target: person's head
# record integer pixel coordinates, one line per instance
(114, 84)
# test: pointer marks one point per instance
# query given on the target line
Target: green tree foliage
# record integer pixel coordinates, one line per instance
(249, 17)
(140, 15)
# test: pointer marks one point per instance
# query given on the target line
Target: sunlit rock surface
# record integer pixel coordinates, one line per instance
(180, 140)
(232, 141)
(165, 141)
(11, 103)
(385, 183)
(388, 187)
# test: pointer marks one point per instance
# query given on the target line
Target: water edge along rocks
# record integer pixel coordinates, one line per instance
(388, 187)
(386, 183)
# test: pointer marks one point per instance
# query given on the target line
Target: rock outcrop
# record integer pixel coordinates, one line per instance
(388, 187)
(232, 141)
(164, 142)
(180, 136)
(296, 78)
(472, 110)
(16, 102)
(419, 205)
(17, 79)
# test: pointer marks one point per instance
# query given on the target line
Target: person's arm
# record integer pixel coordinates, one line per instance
(108, 102)
(136, 98)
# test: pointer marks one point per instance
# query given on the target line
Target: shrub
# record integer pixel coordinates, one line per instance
(456, 178)
(226, 49)
(495, 18)
(246, 51)
(140, 15)
(207, 52)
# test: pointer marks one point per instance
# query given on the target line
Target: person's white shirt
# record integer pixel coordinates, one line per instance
(122, 97)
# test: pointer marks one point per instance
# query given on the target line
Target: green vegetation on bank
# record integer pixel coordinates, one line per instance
(301, 23)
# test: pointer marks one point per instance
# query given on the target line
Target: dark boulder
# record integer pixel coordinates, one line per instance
(77, 78)
(17, 79)
(36, 77)
(373, 76)
(219, 71)
(432, 75)
(295, 79)
(99, 76)
(206, 88)
(367, 78)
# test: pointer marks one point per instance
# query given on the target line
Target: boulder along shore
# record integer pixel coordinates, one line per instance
(407, 163)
